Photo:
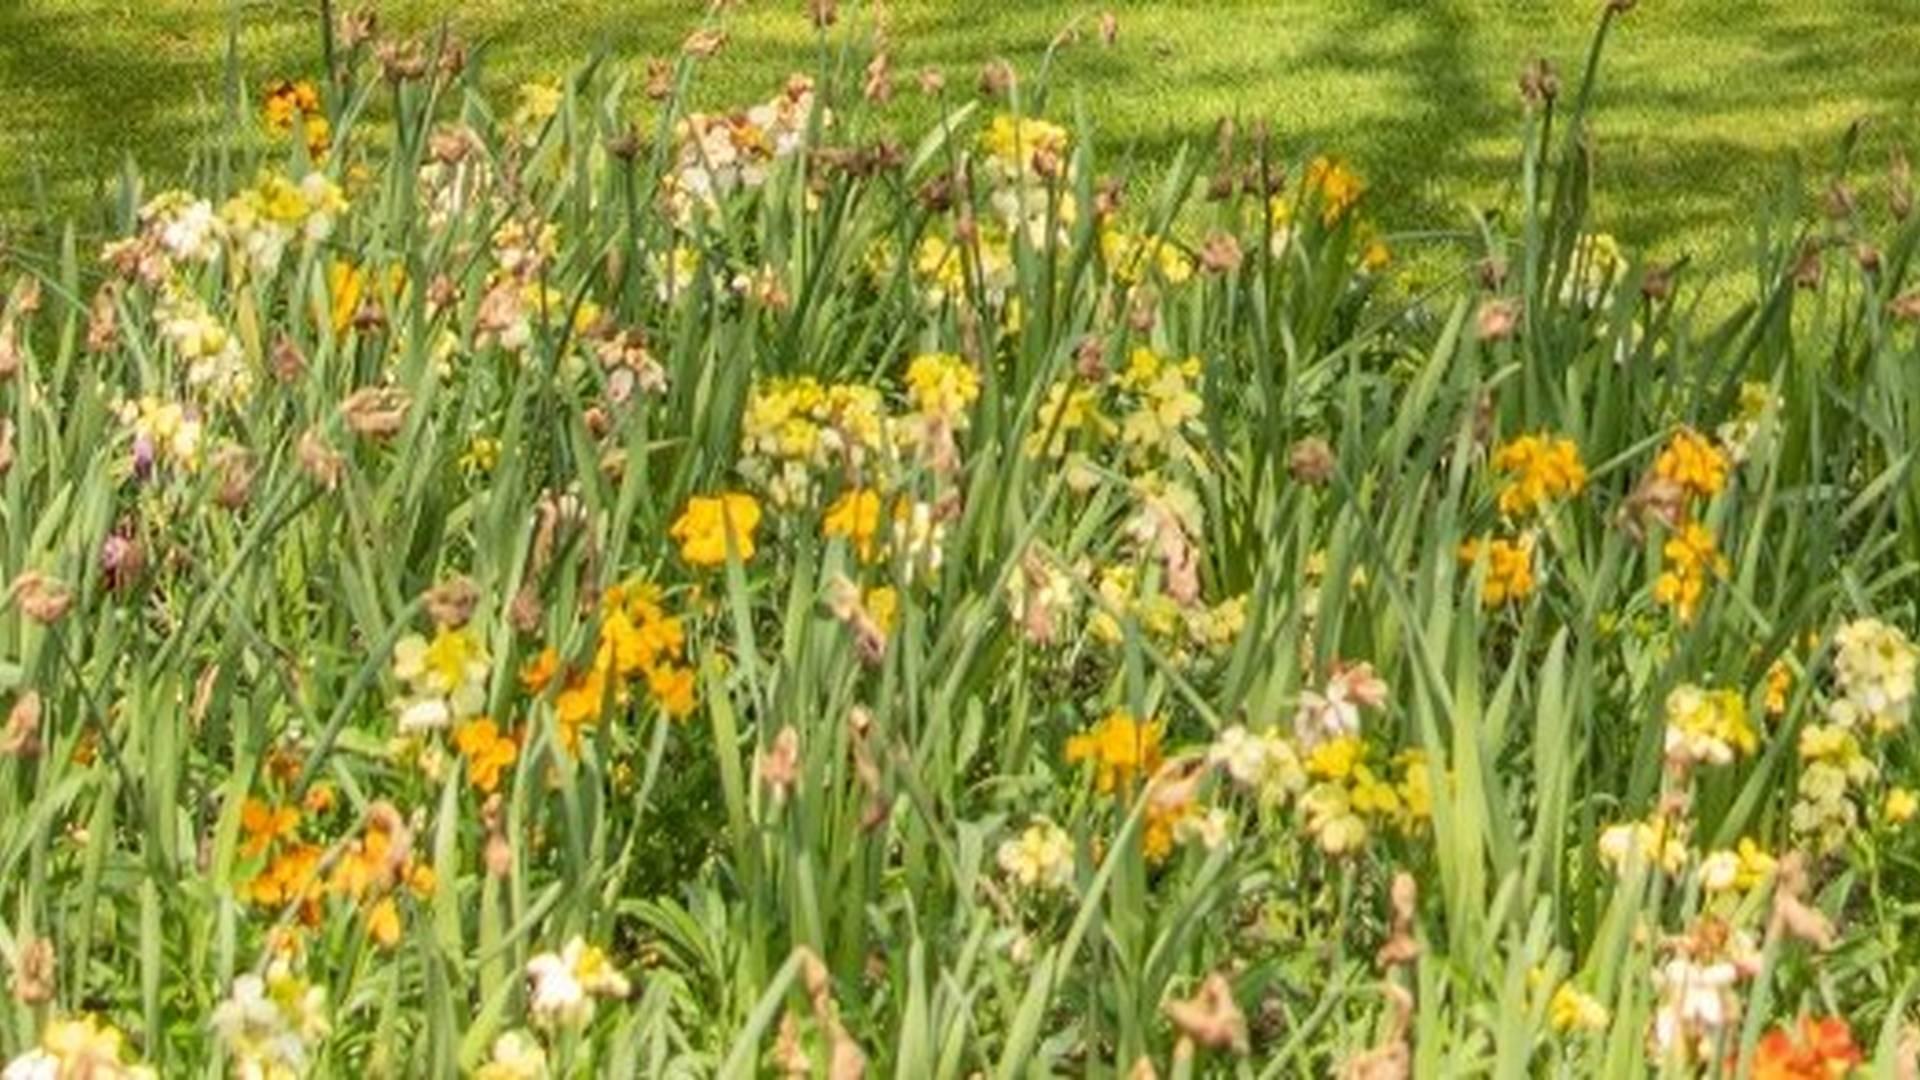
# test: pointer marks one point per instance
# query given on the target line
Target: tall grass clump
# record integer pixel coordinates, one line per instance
(580, 586)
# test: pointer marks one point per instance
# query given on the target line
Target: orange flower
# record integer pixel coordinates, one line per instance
(1824, 1050)
(264, 824)
(487, 751)
(540, 670)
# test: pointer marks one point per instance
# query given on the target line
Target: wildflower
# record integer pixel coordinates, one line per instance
(1332, 820)
(1706, 726)
(446, 678)
(1874, 665)
(162, 431)
(517, 1055)
(943, 386)
(1689, 557)
(1509, 574)
(1900, 806)
(1692, 463)
(487, 751)
(264, 825)
(1539, 469)
(1697, 1001)
(1338, 187)
(1121, 748)
(1040, 858)
(855, 516)
(285, 101)
(1739, 870)
(1336, 711)
(270, 1026)
(1264, 763)
(84, 1049)
(1820, 1050)
(711, 525)
(565, 984)
(1572, 1009)
(1779, 683)
(1654, 842)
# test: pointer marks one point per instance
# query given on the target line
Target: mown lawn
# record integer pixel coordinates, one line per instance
(1702, 106)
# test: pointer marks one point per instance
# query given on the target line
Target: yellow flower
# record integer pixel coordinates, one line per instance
(1779, 683)
(1539, 469)
(1339, 188)
(1509, 577)
(1121, 748)
(1707, 726)
(1040, 858)
(1573, 1010)
(1692, 463)
(855, 515)
(1900, 807)
(942, 385)
(710, 524)
(1691, 556)
(1013, 141)
(1335, 759)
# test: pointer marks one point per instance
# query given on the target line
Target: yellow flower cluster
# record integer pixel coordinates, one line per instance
(1509, 568)
(1707, 726)
(286, 101)
(711, 526)
(1348, 798)
(1657, 842)
(446, 678)
(1539, 469)
(1337, 187)
(795, 431)
(1693, 464)
(1121, 749)
(1154, 405)
(1740, 870)
(1135, 257)
(1012, 142)
(943, 386)
(638, 640)
(1690, 556)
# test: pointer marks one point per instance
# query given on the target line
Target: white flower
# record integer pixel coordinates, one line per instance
(565, 984)
(1875, 665)
(517, 1055)
(1696, 1001)
(270, 1025)
(1265, 763)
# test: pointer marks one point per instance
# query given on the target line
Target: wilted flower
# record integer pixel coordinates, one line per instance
(1336, 711)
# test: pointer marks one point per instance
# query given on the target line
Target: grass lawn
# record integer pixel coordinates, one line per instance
(1701, 106)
